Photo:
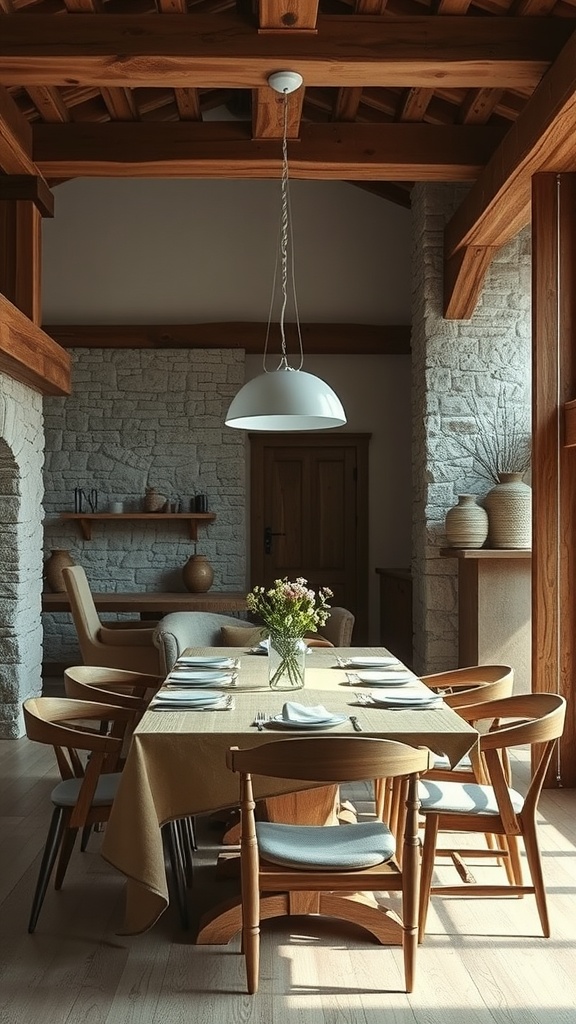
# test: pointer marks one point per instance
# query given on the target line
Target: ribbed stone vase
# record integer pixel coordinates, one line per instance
(466, 524)
(509, 506)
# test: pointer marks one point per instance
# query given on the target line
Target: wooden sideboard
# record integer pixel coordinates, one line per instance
(495, 609)
(396, 612)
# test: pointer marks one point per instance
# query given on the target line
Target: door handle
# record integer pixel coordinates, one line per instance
(268, 534)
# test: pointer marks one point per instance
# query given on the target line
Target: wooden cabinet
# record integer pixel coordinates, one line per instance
(396, 612)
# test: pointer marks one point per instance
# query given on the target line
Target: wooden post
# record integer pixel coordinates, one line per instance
(21, 256)
(553, 465)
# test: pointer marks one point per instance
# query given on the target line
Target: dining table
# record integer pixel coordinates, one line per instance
(176, 768)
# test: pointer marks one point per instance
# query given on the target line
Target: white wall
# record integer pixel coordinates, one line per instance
(136, 251)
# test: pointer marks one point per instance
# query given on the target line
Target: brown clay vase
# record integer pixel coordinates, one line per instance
(58, 560)
(198, 574)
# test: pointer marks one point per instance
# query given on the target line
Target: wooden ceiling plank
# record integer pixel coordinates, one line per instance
(49, 104)
(15, 138)
(370, 6)
(224, 52)
(414, 104)
(29, 355)
(120, 104)
(295, 15)
(390, 152)
(268, 113)
(479, 105)
(188, 104)
(452, 7)
(15, 187)
(346, 105)
(172, 6)
(84, 6)
(498, 205)
(533, 8)
(340, 338)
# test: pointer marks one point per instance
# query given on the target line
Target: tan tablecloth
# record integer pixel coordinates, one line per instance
(176, 764)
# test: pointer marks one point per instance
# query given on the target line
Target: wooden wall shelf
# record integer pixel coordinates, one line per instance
(85, 519)
(480, 553)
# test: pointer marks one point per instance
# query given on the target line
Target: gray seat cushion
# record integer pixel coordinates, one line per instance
(461, 798)
(441, 761)
(326, 848)
(65, 794)
(179, 630)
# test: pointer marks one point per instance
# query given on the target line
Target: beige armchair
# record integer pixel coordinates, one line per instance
(125, 645)
(179, 630)
(338, 629)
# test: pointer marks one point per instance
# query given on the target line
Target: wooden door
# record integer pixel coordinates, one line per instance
(309, 515)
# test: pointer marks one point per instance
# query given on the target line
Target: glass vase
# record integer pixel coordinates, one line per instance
(286, 662)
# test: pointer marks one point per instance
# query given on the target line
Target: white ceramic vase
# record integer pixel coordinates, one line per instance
(509, 505)
(466, 524)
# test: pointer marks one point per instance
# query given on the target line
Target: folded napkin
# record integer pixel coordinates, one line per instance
(293, 712)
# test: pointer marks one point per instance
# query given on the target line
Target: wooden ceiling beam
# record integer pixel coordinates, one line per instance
(499, 204)
(390, 152)
(15, 187)
(15, 138)
(225, 51)
(29, 355)
(318, 339)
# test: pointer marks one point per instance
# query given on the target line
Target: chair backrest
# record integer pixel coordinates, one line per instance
(339, 627)
(84, 613)
(330, 760)
(118, 687)
(473, 684)
(179, 630)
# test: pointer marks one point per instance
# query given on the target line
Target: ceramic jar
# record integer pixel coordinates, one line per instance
(59, 558)
(466, 524)
(198, 574)
(509, 506)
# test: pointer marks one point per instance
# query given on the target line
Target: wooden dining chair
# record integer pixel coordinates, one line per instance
(535, 719)
(134, 690)
(316, 860)
(474, 684)
(88, 761)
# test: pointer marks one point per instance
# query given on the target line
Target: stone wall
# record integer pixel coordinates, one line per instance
(21, 456)
(139, 418)
(457, 366)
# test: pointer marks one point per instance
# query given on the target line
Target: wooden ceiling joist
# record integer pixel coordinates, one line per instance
(319, 339)
(29, 355)
(405, 152)
(224, 51)
(498, 205)
(15, 138)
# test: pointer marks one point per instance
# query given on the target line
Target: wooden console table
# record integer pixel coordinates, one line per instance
(163, 603)
(495, 609)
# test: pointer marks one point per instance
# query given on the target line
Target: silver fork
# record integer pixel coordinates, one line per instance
(259, 719)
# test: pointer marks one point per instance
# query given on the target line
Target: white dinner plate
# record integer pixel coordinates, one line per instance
(199, 697)
(204, 661)
(328, 723)
(397, 701)
(199, 678)
(373, 662)
(385, 678)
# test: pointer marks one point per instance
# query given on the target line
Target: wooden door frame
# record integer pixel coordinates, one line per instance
(258, 442)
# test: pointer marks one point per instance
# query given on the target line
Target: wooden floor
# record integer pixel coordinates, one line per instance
(482, 961)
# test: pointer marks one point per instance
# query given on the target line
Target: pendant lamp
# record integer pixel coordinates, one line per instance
(286, 398)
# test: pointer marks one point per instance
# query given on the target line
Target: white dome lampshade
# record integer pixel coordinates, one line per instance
(286, 399)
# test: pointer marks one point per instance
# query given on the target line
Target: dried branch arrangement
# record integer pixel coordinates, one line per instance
(503, 441)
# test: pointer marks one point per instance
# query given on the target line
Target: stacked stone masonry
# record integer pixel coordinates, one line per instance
(456, 366)
(139, 418)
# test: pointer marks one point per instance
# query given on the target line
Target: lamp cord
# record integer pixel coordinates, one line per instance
(285, 247)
